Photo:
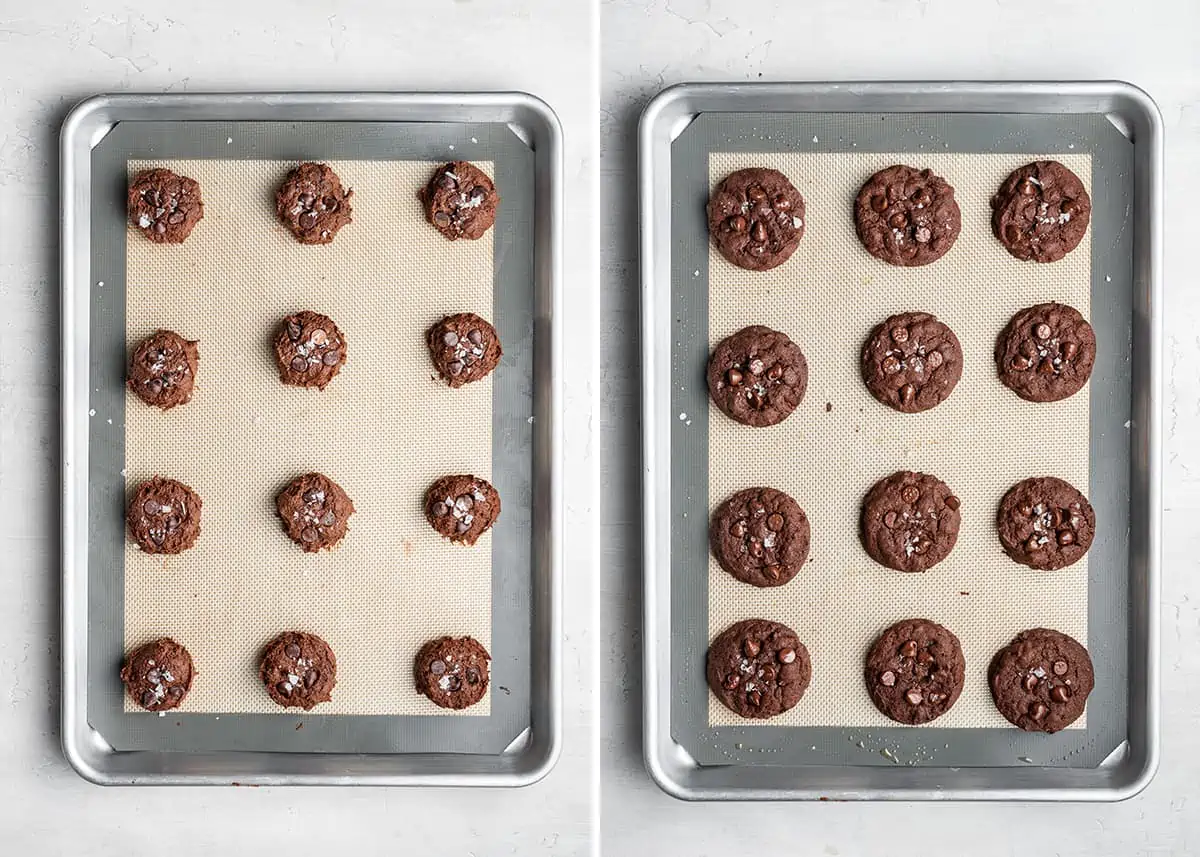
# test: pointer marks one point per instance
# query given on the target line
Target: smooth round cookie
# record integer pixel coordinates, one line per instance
(460, 201)
(158, 674)
(312, 203)
(756, 218)
(758, 668)
(310, 350)
(315, 511)
(909, 521)
(298, 670)
(1041, 212)
(907, 217)
(162, 369)
(452, 671)
(462, 507)
(1045, 523)
(760, 536)
(1046, 352)
(463, 348)
(911, 362)
(757, 376)
(164, 206)
(164, 516)
(1041, 680)
(915, 671)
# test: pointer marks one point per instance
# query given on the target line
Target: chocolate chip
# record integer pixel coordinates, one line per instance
(737, 223)
(879, 204)
(306, 199)
(914, 697)
(299, 364)
(1020, 363)
(465, 502)
(888, 679)
(772, 571)
(735, 377)
(154, 676)
(1069, 351)
(462, 527)
(148, 699)
(756, 548)
(898, 220)
(441, 218)
(781, 203)
(1069, 207)
(738, 530)
(331, 357)
(1042, 331)
(175, 692)
(1060, 667)
(767, 673)
(1045, 368)
(328, 519)
(307, 219)
(294, 329)
(437, 667)
(786, 655)
(899, 334)
(756, 194)
(1060, 694)
(1012, 233)
(775, 372)
(889, 520)
(909, 649)
(455, 682)
(440, 510)
(308, 534)
(731, 681)
(160, 227)
(754, 698)
(891, 365)
(475, 337)
(758, 233)
(924, 658)
(175, 218)
(775, 522)
(921, 197)
(450, 338)
(472, 675)
(751, 648)
(1030, 682)
(952, 503)
(1038, 711)
(456, 367)
(155, 386)
(934, 359)
(1066, 538)
(150, 507)
(284, 689)
(311, 678)
(446, 182)
(157, 536)
(331, 204)
(907, 393)
(292, 651)
(910, 494)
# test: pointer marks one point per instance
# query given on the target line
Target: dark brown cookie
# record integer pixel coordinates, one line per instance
(164, 206)
(162, 370)
(1041, 680)
(760, 536)
(462, 507)
(756, 218)
(315, 511)
(452, 671)
(298, 670)
(1045, 523)
(158, 675)
(1041, 212)
(310, 350)
(915, 671)
(463, 348)
(909, 521)
(907, 216)
(757, 376)
(911, 362)
(758, 668)
(1046, 352)
(164, 516)
(312, 203)
(460, 201)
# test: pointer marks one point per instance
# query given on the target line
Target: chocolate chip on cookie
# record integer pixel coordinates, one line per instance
(312, 203)
(452, 671)
(460, 200)
(1041, 680)
(757, 376)
(463, 347)
(909, 521)
(911, 362)
(165, 206)
(1046, 352)
(915, 671)
(760, 536)
(758, 668)
(298, 670)
(158, 675)
(164, 516)
(1045, 523)
(162, 369)
(315, 511)
(756, 218)
(462, 507)
(310, 350)
(1041, 212)
(905, 216)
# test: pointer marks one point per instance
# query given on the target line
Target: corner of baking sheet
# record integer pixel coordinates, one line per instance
(90, 120)
(534, 120)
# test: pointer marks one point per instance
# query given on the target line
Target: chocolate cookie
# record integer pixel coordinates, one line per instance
(756, 218)
(1045, 523)
(911, 362)
(1046, 352)
(164, 516)
(1041, 680)
(312, 203)
(460, 201)
(760, 536)
(164, 206)
(463, 348)
(757, 376)
(310, 350)
(758, 668)
(1041, 212)
(158, 675)
(462, 507)
(907, 216)
(298, 670)
(915, 671)
(162, 370)
(909, 521)
(452, 671)
(315, 511)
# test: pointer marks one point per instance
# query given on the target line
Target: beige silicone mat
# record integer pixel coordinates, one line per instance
(384, 429)
(982, 440)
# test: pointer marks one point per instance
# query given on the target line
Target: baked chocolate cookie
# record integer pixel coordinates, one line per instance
(1041, 680)
(1045, 523)
(758, 668)
(158, 674)
(452, 671)
(911, 362)
(164, 516)
(298, 670)
(312, 203)
(1046, 352)
(463, 348)
(460, 200)
(462, 507)
(915, 671)
(907, 217)
(315, 511)
(165, 206)
(1041, 212)
(310, 350)
(760, 536)
(910, 521)
(756, 218)
(757, 376)
(162, 369)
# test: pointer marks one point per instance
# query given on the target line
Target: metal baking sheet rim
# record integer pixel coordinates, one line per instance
(535, 752)
(1130, 769)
